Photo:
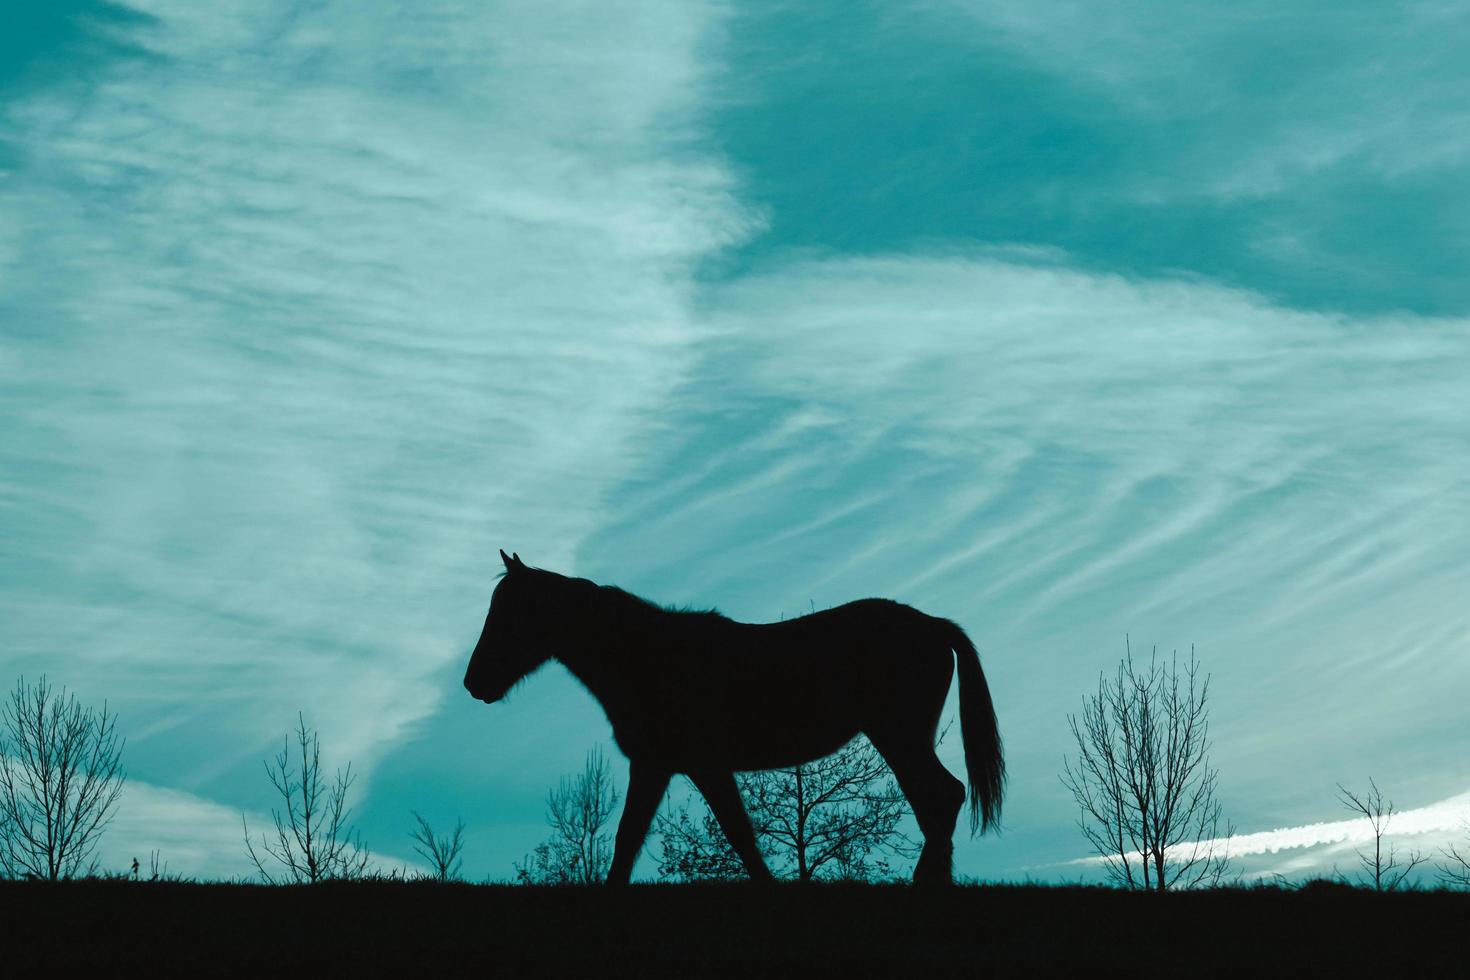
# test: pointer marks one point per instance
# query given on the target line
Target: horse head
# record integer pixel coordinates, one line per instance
(511, 646)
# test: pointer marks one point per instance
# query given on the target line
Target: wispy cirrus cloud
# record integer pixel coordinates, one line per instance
(1058, 459)
(1261, 96)
(1313, 154)
(307, 310)
(305, 313)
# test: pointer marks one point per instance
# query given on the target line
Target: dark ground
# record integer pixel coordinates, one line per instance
(417, 929)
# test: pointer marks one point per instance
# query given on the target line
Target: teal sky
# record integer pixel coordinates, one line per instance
(1065, 321)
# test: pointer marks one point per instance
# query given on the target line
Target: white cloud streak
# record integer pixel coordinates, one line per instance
(1325, 843)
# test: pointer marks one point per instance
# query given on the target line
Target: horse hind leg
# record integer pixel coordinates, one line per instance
(936, 797)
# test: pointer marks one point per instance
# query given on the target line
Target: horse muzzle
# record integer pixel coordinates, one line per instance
(479, 694)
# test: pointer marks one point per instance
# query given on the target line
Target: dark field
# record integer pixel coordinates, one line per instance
(415, 929)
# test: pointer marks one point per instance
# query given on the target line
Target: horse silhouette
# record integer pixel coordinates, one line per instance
(699, 694)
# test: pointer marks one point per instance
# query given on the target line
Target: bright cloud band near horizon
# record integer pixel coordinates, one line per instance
(1423, 829)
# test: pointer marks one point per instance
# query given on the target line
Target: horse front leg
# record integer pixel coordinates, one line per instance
(646, 787)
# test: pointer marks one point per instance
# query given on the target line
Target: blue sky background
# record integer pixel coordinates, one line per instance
(1061, 321)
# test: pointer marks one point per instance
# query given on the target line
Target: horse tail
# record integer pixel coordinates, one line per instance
(984, 757)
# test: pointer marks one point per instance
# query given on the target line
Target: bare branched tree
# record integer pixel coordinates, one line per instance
(1142, 778)
(442, 853)
(694, 848)
(579, 850)
(1382, 871)
(836, 818)
(1455, 872)
(60, 778)
(314, 838)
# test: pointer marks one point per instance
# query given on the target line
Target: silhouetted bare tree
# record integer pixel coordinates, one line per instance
(835, 818)
(694, 848)
(1455, 872)
(60, 779)
(578, 851)
(442, 853)
(314, 838)
(1381, 871)
(1142, 777)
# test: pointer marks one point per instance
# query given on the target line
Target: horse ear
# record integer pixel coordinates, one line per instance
(517, 559)
(509, 562)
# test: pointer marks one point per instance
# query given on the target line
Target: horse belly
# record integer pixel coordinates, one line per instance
(758, 730)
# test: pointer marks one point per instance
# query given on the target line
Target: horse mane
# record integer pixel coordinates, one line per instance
(622, 604)
(621, 599)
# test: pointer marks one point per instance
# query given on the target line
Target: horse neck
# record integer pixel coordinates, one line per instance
(582, 645)
(601, 646)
